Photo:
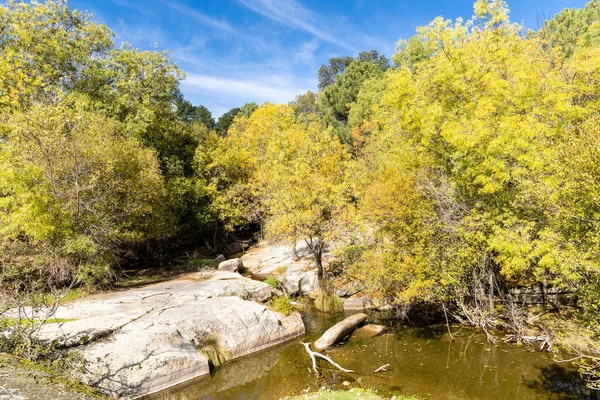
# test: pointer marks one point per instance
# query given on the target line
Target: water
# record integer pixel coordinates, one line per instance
(423, 362)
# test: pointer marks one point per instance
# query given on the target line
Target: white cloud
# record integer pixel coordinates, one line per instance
(292, 13)
(200, 17)
(275, 89)
(306, 53)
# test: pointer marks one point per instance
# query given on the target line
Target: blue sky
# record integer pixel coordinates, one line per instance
(236, 51)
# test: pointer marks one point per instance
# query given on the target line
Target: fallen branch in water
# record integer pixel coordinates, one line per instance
(314, 354)
(383, 368)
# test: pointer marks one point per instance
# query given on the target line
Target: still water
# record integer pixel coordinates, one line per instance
(423, 362)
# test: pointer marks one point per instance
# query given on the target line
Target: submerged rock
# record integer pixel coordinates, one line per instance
(369, 331)
(147, 339)
(339, 331)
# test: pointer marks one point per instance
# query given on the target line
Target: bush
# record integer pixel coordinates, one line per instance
(282, 304)
(328, 302)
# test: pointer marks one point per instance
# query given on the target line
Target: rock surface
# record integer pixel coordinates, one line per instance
(364, 304)
(144, 340)
(339, 331)
(297, 275)
(233, 265)
(369, 331)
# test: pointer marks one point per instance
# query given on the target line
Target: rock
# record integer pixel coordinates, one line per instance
(144, 340)
(339, 331)
(233, 265)
(297, 280)
(369, 331)
(363, 304)
(296, 275)
(220, 258)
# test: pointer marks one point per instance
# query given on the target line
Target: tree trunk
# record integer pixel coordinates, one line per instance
(318, 252)
(316, 248)
(294, 254)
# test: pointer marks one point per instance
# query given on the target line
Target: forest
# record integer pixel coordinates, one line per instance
(464, 166)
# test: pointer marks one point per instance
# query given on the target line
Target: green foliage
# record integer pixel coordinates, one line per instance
(272, 281)
(328, 302)
(572, 28)
(226, 120)
(212, 349)
(335, 101)
(281, 304)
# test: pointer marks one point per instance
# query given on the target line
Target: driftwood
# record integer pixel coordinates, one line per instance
(383, 368)
(339, 331)
(314, 354)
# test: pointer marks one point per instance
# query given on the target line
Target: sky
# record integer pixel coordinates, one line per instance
(238, 51)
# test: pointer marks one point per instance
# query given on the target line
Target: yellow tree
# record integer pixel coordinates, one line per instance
(287, 173)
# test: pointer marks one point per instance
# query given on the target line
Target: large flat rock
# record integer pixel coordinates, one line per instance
(140, 341)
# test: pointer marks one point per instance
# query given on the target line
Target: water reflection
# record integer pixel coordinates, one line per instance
(423, 361)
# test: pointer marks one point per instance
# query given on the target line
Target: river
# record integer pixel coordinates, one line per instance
(423, 362)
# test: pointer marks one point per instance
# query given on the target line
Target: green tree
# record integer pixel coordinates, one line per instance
(328, 73)
(186, 112)
(335, 101)
(572, 28)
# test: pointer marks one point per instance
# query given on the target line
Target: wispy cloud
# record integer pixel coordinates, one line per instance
(306, 53)
(292, 13)
(275, 89)
(200, 17)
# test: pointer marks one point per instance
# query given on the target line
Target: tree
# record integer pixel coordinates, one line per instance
(186, 112)
(374, 57)
(335, 101)
(288, 173)
(226, 120)
(305, 103)
(70, 180)
(328, 73)
(572, 28)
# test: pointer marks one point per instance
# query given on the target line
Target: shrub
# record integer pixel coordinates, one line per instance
(328, 302)
(282, 304)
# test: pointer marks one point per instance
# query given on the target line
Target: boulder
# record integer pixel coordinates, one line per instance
(233, 265)
(369, 331)
(339, 331)
(298, 280)
(220, 258)
(144, 340)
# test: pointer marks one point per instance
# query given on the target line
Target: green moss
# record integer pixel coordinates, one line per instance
(282, 304)
(328, 302)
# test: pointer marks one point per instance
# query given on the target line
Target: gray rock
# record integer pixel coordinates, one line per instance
(297, 275)
(144, 340)
(298, 280)
(364, 304)
(220, 258)
(339, 331)
(233, 265)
